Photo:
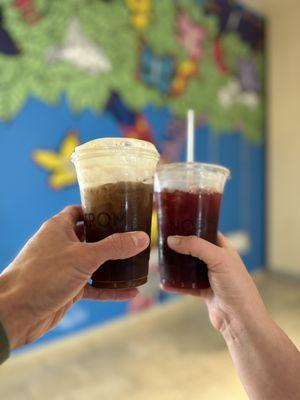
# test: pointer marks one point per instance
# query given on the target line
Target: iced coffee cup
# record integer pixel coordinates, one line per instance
(188, 197)
(115, 177)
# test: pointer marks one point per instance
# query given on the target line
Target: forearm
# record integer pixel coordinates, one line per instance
(268, 363)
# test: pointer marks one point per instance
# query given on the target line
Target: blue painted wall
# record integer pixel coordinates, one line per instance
(27, 200)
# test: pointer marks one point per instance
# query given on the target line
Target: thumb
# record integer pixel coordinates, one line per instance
(211, 254)
(115, 247)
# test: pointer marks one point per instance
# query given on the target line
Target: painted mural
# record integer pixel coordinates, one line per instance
(76, 70)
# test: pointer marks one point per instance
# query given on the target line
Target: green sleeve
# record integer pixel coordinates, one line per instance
(4, 345)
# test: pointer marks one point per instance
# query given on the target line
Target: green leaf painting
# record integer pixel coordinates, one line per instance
(88, 48)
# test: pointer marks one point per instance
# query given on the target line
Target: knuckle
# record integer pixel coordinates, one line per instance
(193, 240)
(50, 223)
(117, 243)
(191, 243)
(59, 220)
(56, 219)
(68, 209)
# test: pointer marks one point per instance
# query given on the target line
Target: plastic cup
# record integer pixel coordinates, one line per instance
(188, 197)
(115, 177)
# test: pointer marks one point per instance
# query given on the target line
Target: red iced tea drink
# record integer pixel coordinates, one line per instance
(188, 197)
(186, 213)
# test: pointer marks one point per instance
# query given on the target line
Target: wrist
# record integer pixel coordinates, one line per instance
(239, 326)
(12, 314)
(4, 345)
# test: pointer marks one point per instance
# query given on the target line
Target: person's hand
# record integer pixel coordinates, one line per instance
(52, 271)
(233, 297)
(267, 362)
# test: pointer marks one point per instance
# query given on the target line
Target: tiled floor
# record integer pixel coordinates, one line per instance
(169, 353)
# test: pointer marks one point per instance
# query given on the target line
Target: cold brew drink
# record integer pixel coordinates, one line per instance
(116, 185)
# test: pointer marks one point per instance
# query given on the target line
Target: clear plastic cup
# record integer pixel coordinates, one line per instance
(115, 177)
(188, 198)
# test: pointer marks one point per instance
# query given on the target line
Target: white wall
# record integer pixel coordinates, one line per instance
(283, 74)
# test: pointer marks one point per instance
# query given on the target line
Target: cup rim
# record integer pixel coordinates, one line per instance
(194, 166)
(102, 146)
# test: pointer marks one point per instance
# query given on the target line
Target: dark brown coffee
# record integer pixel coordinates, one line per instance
(113, 208)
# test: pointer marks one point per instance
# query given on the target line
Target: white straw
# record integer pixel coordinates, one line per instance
(190, 136)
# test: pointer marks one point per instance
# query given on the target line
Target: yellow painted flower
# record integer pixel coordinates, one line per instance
(62, 171)
(140, 13)
(184, 72)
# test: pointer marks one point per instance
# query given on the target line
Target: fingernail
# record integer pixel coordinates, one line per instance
(140, 239)
(174, 240)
